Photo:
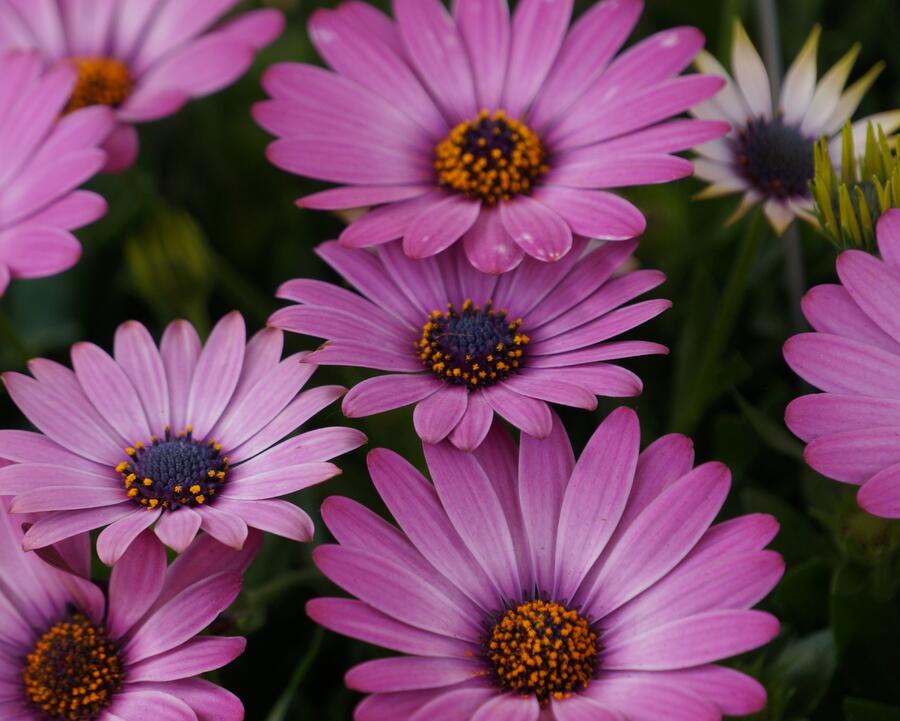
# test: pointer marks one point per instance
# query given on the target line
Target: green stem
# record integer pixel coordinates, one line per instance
(704, 384)
(794, 276)
(282, 705)
(13, 340)
(263, 595)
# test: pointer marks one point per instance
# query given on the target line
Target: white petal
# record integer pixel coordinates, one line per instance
(718, 149)
(800, 80)
(851, 99)
(750, 73)
(828, 94)
(728, 101)
(779, 214)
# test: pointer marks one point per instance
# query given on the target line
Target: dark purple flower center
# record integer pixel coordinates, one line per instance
(491, 158)
(544, 649)
(174, 471)
(73, 671)
(475, 346)
(775, 158)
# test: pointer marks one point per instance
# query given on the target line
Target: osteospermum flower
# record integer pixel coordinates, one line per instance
(768, 155)
(72, 652)
(42, 162)
(181, 438)
(523, 585)
(462, 345)
(502, 132)
(852, 428)
(144, 58)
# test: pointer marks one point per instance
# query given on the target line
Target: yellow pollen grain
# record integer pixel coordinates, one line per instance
(499, 175)
(543, 649)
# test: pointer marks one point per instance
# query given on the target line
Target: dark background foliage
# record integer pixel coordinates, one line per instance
(204, 224)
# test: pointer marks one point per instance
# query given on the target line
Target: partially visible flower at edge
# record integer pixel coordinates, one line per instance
(180, 438)
(504, 134)
(523, 585)
(852, 428)
(143, 59)
(768, 156)
(43, 159)
(462, 345)
(850, 201)
(72, 651)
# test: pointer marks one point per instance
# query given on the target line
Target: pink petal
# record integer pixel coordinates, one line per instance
(384, 393)
(880, 495)
(435, 48)
(135, 583)
(114, 540)
(485, 31)
(439, 226)
(409, 673)
(595, 498)
(594, 213)
(536, 228)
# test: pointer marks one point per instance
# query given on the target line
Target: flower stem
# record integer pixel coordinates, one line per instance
(794, 276)
(283, 704)
(704, 381)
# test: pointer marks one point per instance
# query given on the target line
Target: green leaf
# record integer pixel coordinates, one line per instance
(808, 666)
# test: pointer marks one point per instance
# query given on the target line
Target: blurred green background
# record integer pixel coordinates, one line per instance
(204, 224)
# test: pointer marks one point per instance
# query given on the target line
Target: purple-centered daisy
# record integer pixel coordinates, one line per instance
(71, 652)
(143, 58)
(522, 584)
(185, 437)
(462, 345)
(768, 156)
(503, 132)
(853, 428)
(43, 159)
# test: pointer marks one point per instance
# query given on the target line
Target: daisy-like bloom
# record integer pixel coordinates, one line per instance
(181, 438)
(42, 161)
(462, 345)
(768, 155)
(503, 132)
(72, 652)
(143, 58)
(523, 585)
(852, 428)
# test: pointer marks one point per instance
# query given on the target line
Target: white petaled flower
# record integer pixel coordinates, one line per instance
(768, 155)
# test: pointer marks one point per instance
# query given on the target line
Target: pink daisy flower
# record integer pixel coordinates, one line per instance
(144, 58)
(462, 345)
(524, 585)
(42, 161)
(504, 132)
(180, 438)
(72, 652)
(852, 428)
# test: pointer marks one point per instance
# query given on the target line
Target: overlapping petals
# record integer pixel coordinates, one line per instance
(571, 312)
(399, 86)
(239, 398)
(852, 428)
(173, 51)
(622, 538)
(152, 614)
(43, 160)
(779, 165)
